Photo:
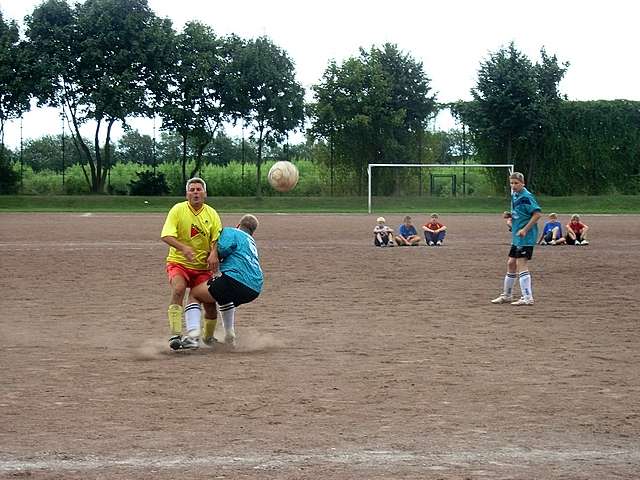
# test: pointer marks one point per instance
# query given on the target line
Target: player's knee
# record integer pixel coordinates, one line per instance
(179, 290)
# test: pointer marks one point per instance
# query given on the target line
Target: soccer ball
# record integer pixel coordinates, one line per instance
(283, 176)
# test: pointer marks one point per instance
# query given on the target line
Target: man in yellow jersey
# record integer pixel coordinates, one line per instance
(191, 230)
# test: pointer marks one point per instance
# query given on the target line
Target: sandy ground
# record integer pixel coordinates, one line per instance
(355, 362)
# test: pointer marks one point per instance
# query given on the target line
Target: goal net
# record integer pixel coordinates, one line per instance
(415, 183)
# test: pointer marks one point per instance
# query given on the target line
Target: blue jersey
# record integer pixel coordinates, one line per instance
(549, 226)
(239, 258)
(406, 232)
(523, 206)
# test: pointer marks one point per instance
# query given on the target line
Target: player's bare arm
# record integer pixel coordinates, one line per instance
(534, 219)
(212, 260)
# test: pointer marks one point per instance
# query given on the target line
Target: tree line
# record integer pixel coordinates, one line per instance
(106, 61)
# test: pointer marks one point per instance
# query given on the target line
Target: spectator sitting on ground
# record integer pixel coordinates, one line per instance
(407, 234)
(434, 231)
(382, 234)
(576, 231)
(507, 219)
(552, 232)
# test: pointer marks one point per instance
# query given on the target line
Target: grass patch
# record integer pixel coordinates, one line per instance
(111, 203)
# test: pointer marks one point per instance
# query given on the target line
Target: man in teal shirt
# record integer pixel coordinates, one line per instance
(240, 280)
(525, 213)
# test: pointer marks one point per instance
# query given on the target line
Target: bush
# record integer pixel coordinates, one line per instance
(149, 184)
(9, 178)
(235, 180)
(120, 176)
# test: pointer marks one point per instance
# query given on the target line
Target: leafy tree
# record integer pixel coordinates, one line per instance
(223, 150)
(373, 108)
(134, 148)
(168, 147)
(512, 106)
(101, 61)
(269, 98)
(15, 77)
(9, 178)
(45, 153)
(199, 95)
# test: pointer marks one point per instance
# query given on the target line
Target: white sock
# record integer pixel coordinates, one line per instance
(509, 282)
(227, 312)
(525, 284)
(192, 314)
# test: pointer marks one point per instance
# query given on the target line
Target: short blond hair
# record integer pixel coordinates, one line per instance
(517, 176)
(249, 223)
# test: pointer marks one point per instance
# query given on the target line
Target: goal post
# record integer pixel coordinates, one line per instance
(371, 166)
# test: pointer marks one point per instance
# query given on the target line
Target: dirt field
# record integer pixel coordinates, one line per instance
(355, 363)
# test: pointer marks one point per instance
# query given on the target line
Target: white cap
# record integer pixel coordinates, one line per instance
(381, 220)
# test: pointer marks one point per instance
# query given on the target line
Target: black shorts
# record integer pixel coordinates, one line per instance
(226, 289)
(521, 252)
(571, 241)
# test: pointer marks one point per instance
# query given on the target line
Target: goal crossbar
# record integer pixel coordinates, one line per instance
(371, 166)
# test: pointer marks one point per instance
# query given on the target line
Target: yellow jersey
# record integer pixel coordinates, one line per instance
(196, 229)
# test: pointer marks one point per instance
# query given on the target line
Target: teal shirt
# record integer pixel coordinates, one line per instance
(239, 258)
(523, 206)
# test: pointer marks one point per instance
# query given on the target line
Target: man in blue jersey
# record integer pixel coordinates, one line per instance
(525, 213)
(240, 280)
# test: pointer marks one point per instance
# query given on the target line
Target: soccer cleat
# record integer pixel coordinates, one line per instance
(439, 243)
(585, 242)
(523, 301)
(209, 341)
(175, 342)
(502, 299)
(552, 242)
(190, 343)
(391, 244)
(543, 242)
(230, 338)
(431, 244)
(578, 243)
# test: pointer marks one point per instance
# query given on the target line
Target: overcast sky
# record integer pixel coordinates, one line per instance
(599, 38)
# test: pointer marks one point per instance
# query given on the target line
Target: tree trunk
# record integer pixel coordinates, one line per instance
(199, 152)
(331, 172)
(98, 178)
(107, 151)
(259, 164)
(184, 159)
(79, 142)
